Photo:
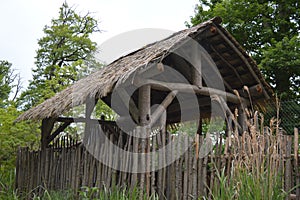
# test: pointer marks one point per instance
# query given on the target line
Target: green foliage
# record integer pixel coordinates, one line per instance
(268, 30)
(63, 54)
(13, 135)
(281, 63)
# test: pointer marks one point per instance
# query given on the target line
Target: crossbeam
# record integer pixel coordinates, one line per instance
(186, 88)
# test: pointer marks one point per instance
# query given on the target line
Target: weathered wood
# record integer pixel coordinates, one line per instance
(144, 120)
(144, 105)
(82, 119)
(57, 132)
(196, 68)
(162, 107)
(243, 58)
(47, 126)
(185, 88)
(187, 178)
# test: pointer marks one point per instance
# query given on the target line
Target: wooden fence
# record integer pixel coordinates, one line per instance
(71, 165)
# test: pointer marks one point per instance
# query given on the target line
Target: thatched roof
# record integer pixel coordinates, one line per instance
(101, 83)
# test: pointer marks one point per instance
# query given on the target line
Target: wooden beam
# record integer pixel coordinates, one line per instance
(244, 59)
(253, 91)
(163, 106)
(183, 87)
(58, 131)
(83, 120)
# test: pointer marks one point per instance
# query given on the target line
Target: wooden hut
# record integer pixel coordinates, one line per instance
(203, 56)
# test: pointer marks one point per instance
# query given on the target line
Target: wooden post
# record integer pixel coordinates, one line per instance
(47, 126)
(144, 105)
(89, 107)
(144, 120)
(196, 70)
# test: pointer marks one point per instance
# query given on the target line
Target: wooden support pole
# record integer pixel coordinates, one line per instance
(144, 105)
(89, 107)
(47, 126)
(144, 120)
(196, 56)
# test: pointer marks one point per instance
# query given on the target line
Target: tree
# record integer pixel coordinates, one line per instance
(262, 27)
(281, 63)
(9, 80)
(12, 135)
(64, 49)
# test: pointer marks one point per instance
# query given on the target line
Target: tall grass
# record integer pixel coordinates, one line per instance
(7, 190)
(256, 175)
(246, 185)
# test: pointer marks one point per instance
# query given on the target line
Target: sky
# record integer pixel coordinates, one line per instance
(22, 24)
